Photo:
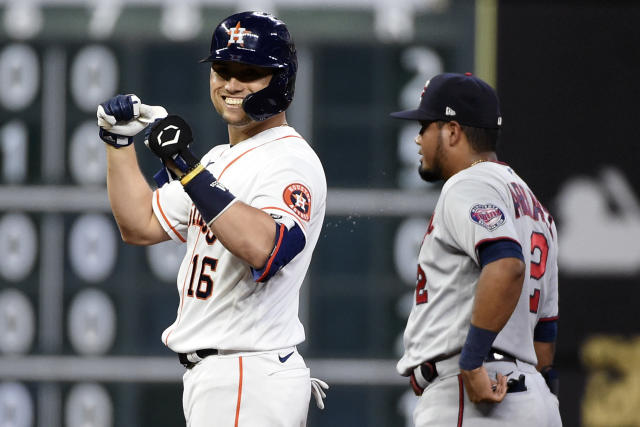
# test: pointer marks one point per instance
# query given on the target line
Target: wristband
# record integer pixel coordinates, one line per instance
(476, 348)
(210, 197)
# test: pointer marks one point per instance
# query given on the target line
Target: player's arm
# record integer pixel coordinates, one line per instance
(544, 343)
(545, 352)
(130, 199)
(247, 232)
(120, 118)
(497, 294)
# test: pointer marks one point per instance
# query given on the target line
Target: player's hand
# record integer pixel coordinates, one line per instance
(317, 390)
(481, 388)
(169, 139)
(124, 116)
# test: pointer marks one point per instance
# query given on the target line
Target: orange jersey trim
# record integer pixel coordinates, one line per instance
(275, 252)
(167, 220)
(239, 392)
(251, 149)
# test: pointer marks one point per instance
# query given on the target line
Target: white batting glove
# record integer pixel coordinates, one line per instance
(317, 387)
(124, 116)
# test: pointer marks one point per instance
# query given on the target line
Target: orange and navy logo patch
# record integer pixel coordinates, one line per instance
(236, 35)
(298, 198)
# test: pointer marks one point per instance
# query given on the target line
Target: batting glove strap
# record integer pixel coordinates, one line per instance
(210, 197)
(476, 347)
(115, 140)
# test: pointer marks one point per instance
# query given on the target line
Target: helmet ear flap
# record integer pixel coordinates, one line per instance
(273, 99)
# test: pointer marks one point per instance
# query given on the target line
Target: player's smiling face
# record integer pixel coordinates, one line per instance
(230, 83)
(429, 140)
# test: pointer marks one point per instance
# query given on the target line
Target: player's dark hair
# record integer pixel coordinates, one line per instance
(482, 139)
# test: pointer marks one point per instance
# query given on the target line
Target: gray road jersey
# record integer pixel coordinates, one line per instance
(486, 202)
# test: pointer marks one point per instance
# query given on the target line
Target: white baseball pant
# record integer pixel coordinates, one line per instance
(445, 402)
(248, 389)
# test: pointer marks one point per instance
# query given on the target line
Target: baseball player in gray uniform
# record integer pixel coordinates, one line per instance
(249, 212)
(484, 320)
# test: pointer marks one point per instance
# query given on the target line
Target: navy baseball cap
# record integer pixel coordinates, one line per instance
(461, 97)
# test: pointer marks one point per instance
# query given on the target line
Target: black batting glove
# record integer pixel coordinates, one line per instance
(169, 139)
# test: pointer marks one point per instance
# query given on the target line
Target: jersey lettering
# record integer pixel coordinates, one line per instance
(534, 301)
(196, 220)
(520, 202)
(533, 209)
(539, 243)
(430, 227)
(422, 296)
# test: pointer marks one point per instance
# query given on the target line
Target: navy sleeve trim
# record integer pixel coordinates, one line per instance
(289, 243)
(546, 331)
(493, 250)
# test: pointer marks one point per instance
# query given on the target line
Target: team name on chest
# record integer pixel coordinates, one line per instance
(195, 220)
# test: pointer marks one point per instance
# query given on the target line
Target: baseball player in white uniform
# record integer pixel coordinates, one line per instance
(250, 213)
(486, 303)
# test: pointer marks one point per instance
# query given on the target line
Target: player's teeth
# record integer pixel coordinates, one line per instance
(233, 101)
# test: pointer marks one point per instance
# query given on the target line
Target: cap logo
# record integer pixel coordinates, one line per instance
(236, 35)
(449, 112)
(424, 89)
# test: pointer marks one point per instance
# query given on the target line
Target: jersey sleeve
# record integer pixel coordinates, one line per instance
(291, 188)
(171, 205)
(475, 213)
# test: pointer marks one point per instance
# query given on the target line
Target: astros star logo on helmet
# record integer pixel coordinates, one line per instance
(236, 35)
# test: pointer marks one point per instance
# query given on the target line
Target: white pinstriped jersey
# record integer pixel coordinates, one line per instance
(221, 306)
(485, 202)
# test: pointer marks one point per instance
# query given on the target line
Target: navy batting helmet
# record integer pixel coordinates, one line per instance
(260, 39)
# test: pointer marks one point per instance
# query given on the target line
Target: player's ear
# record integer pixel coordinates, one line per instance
(453, 132)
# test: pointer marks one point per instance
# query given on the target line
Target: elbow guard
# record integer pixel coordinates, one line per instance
(289, 243)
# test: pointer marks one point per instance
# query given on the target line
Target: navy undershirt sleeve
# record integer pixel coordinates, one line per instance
(546, 331)
(497, 249)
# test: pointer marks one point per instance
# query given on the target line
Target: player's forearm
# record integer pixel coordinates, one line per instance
(129, 195)
(545, 352)
(246, 232)
(497, 293)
